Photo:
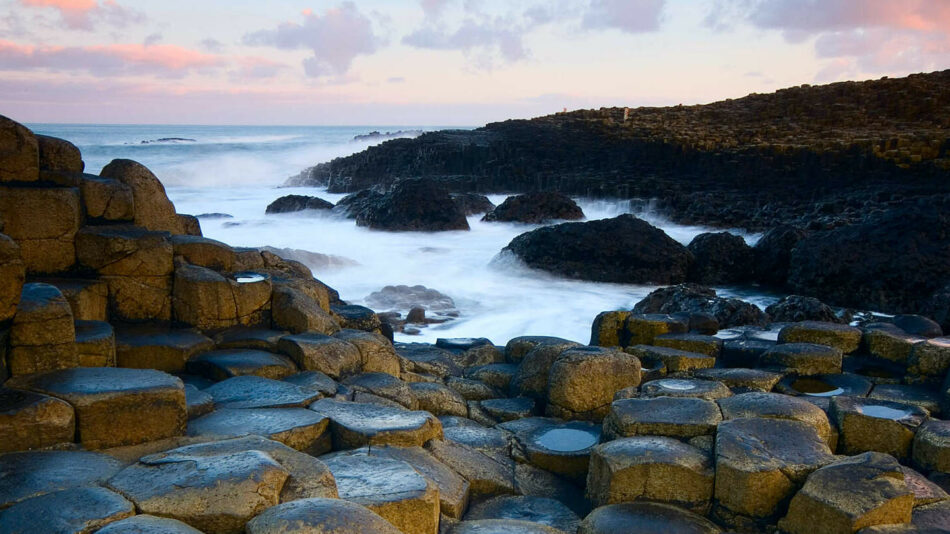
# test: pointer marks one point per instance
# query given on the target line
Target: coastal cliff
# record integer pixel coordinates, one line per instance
(797, 155)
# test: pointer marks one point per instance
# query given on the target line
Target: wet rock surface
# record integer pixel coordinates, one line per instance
(536, 208)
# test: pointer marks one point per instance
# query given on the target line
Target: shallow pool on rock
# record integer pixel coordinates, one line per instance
(566, 439)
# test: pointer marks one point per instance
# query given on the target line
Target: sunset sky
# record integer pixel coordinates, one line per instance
(446, 62)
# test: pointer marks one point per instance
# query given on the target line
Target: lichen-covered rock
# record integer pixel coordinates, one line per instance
(679, 417)
(153, 210)
(850, 494)
(583, 381)
(777, 406)
(803, 359)
(932, 446)
(888, 342)
(156, 347)
(533, 374)
(377, 354)
(845, 338)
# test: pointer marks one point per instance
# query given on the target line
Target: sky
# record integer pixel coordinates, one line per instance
(438, 62)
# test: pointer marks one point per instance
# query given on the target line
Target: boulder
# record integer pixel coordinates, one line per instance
(57, 154)
(30, 474)
(773, 252)
(407, 297)
(906, 265)
(651, 468)
(389, 487)
(874, 425)
(42, 335)
(43, 222)
(76, 510)
(19, 152)
(536, 208)
(319, 516)
(472, 203)
(106, 199)
(413, 205)
(293, 203)
(720, 258)
(796, 308)
(355, 317)
(677, 417)
(583, 380)
(153, 210)
(33, 421)
(115, 407)
(693, 298)
(213, 493)
(762, 462)
(918, 325)
(297, 428)
(12, 275)
(354, 425)
(624, 249)
(645, 518)
(850, 494)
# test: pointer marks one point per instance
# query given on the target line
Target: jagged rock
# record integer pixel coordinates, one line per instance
(583, 381)
(538, 510)
(228, 363)
(30, 474)
(645, 518)
(888, 342)
(317, 352)
(652, 468)
(43, 222)
(19, 152)
(741, 380)
(148, 524)
(536, 208)
(762, 462)
(78, 510)
(33, 421)
(12, 275)
(57, 154)
(694, 298)
(377, 354)
(472, 203)
(389, 487)
(319, 516)
(298, 428)
(678, 417)
(689, 388)
(777, 406)
(150, 347)
(293, 203)
(899, 273)
(115, 406)
(773, 253)
(851, 494)
(353, 424)
(136, 264)
(624, 249)
(406, 297)
(932, 446)
(213, 493)
(845, 338)
(42, 335)
(796, 308)
(413, 205)
(153, 210)
(803, 359)
(95, 344)
(297, 312)
(720, 258)
(873, 425)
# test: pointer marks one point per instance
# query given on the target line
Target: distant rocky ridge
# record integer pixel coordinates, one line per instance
(810, 154)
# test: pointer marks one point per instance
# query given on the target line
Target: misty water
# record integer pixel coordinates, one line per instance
(238, 171)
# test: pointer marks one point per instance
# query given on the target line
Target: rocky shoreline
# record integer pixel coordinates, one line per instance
(153, 380)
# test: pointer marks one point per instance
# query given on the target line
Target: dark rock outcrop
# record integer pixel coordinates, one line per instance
(773, 252)
(624, 249)
(473, 203)
(411, 205)
(693, 298)
(892, 262)
(721, 258)
(536, 208)
(293, 203)
(796, 308)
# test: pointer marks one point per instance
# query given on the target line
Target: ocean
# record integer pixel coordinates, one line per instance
(239, 170)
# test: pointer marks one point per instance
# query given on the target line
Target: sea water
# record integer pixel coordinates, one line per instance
(239, 170)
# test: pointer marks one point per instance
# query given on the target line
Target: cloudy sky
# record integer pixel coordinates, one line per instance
(444, 62)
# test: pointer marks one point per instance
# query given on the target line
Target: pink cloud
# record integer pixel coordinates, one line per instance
(113, 59)
(82, 14)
